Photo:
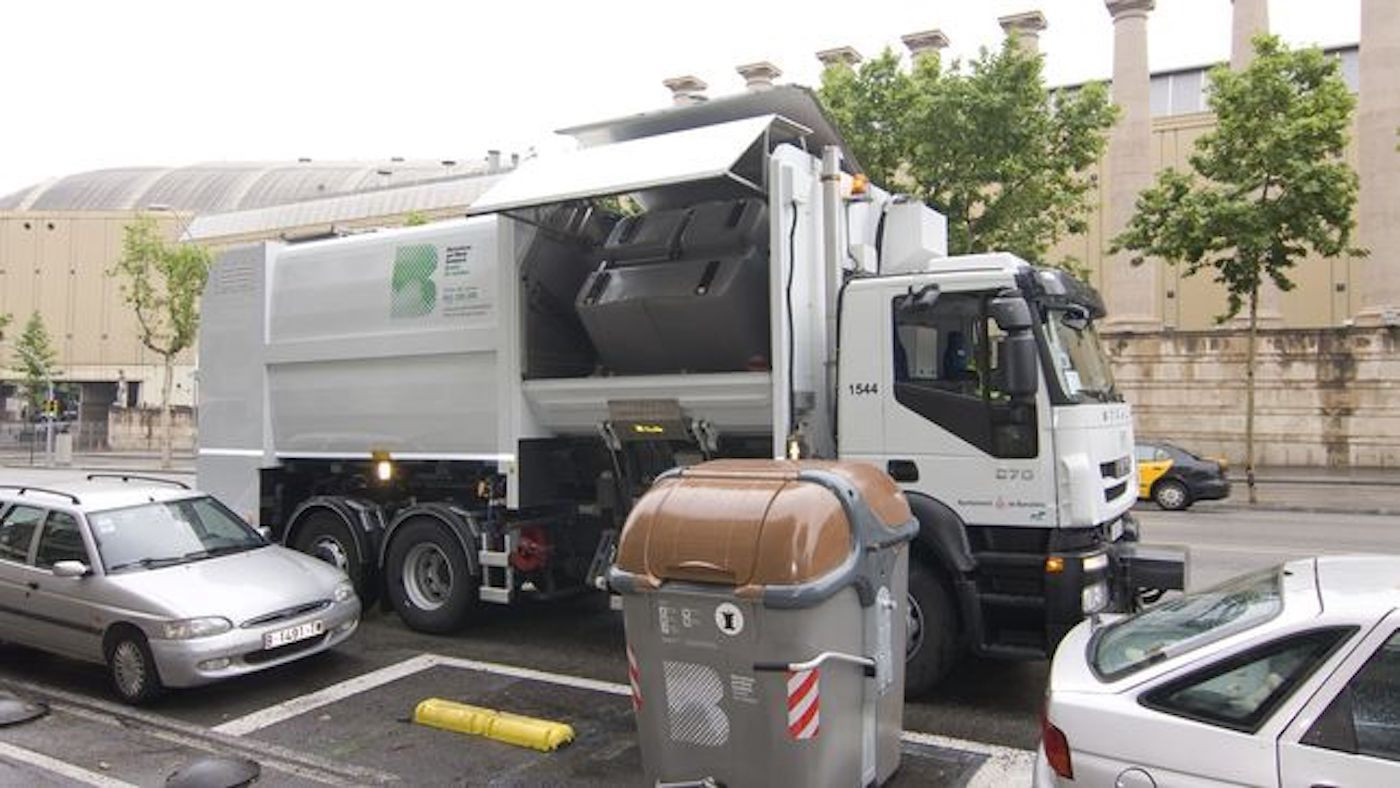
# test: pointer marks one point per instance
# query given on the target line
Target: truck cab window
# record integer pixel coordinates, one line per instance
(947, 361)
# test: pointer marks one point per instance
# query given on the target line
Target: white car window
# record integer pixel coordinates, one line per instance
(1242, 691)
(1364, 719)
(17, 532)
(1185, 623)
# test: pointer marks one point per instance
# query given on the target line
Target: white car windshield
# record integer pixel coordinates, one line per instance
(1185, 624)
(1078, 357)
(161, 534)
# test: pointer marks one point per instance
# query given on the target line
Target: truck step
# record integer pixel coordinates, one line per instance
(493, 558)
(498, 596)
(1013, 600)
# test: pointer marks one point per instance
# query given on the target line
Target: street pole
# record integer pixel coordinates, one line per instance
(48, 429)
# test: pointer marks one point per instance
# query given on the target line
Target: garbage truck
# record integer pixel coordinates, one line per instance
(462, 413)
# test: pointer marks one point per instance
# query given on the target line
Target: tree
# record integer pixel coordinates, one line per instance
(36, 358)
(986, 144)
(162, 283)
(1270, 187)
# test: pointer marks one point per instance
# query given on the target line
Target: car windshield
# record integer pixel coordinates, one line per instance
(175, 532)
(1185, 624)
(1078, 357)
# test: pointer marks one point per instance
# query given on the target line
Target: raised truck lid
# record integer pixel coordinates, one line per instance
(779, 529)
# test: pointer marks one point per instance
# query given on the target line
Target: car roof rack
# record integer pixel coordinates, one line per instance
(25, 488)
(126, 477)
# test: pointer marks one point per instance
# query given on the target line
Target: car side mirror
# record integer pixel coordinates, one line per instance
(71, 569)
(265, 532)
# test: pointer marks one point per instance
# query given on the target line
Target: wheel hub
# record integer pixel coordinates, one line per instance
(914, 626)
(129, 668)
(427, 576)
(330, 550)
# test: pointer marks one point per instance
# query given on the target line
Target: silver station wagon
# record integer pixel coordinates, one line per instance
(163, 585)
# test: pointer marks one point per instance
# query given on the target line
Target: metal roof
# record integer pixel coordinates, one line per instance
(218, 187)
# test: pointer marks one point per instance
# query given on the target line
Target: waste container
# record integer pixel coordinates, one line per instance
(764, 603)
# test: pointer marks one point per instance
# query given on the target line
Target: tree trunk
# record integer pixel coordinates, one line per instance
(1250, 354)
(165, 425)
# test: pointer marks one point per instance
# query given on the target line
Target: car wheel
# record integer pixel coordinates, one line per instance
(1171, 495)
(428, 579)
(325, 535)
(932, 631)
(132, 668)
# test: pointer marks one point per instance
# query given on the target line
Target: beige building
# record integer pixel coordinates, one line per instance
(59, 239)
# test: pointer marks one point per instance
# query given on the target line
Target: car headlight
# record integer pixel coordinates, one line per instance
(343, 591)
(196, 628)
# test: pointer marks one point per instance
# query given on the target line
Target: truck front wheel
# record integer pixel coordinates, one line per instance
(428, 579)
(932, 631)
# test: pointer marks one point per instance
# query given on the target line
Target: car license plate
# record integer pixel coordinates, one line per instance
(292, 634)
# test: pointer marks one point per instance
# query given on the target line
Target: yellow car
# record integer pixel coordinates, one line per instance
(1176, 478)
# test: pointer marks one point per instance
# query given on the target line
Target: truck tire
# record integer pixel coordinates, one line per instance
(325, 534)
(427, 577)
(933, 631)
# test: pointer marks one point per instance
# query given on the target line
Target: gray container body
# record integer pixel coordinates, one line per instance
(780, 684)
(704, 711)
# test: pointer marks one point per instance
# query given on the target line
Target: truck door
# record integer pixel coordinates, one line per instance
(951, 428)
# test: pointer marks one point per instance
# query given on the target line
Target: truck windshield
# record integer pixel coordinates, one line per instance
(1077, 356)
(1185, 624)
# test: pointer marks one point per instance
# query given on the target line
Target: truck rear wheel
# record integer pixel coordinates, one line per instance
(427, 577)
(932, 631)
(325, 534)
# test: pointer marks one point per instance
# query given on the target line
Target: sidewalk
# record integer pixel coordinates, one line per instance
(1318, 490)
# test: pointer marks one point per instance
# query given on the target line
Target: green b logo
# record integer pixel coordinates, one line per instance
(414, 293)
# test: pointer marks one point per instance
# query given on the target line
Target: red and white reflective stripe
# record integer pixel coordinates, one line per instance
(635, 677)
(804, 703)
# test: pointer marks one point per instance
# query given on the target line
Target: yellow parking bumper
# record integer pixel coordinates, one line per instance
(521, 731)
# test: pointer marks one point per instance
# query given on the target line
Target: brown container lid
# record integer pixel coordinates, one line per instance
(750, 523)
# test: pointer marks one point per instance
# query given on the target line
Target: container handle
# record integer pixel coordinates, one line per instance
(866, 663)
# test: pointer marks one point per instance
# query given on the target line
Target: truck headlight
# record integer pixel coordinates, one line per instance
(1094, 597)
(190, 628)
(343, 591)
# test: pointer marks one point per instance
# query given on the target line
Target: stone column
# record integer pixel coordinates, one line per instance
(686, 90)
(926, 42)
(759, 76)
(1250, 18)
(839, 56)
(1025, 29)
(1378, 117)
(1133, 292)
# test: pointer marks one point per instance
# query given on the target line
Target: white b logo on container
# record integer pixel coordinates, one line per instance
(729, 618)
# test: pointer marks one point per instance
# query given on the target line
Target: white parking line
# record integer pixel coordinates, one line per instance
(60, 768)
(1004, 765)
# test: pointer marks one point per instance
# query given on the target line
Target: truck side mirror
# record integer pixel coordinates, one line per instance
(1011, 313)
(1021, 364)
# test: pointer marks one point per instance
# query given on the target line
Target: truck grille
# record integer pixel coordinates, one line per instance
(1116, 469)
(1112, 493)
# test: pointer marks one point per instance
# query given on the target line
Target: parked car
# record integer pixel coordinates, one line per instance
(162, 584)
(1175, 478)
(1286, 677)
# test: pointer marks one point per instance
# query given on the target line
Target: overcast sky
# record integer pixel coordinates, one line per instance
(99, 83)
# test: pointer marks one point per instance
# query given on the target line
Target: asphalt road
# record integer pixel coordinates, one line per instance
(983, 702)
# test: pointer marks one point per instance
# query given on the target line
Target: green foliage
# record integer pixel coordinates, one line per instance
(985, 143)
(1273, 186)
(415, 219)
(162, 282)
(36, 356)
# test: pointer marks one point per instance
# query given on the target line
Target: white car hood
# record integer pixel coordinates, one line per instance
(238, 587)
